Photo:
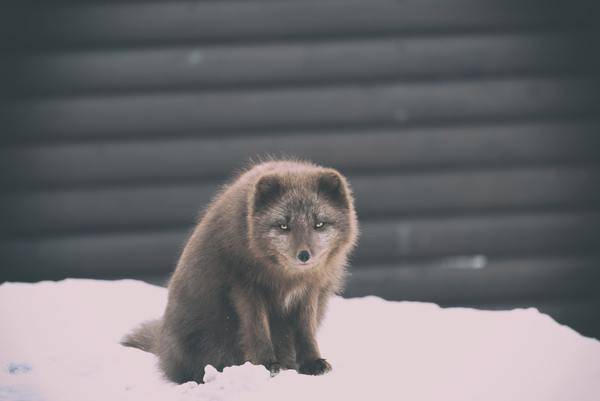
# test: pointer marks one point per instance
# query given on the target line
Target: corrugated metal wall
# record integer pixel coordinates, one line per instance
(469, 129)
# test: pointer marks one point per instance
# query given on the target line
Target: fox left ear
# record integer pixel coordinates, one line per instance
(333, 186)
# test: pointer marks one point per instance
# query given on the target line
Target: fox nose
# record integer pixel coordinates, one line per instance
(303, 256)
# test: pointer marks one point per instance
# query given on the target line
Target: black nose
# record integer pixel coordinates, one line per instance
(303, 256)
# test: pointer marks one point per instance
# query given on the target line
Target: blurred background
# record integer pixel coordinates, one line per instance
(468, 128)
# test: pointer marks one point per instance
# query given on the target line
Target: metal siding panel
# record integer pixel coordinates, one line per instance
(268, 64)
(113, 24)
(404, 103)
(375, 150)
(462, 192)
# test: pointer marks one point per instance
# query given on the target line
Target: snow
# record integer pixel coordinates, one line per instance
(59, 342)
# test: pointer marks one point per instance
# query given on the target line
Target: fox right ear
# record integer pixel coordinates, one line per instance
(268, 189)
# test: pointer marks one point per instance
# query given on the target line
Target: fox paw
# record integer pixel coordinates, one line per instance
(274, 368)
(315, 368)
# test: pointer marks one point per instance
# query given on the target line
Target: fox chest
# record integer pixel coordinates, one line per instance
(290, 299)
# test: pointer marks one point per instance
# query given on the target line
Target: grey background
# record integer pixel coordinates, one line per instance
(468, 128)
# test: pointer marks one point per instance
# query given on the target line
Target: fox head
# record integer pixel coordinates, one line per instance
(300, 219)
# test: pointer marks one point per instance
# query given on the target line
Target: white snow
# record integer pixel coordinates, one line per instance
(59, 342)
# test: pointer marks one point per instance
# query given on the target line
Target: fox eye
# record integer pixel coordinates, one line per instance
(319, 225)
(284, 227)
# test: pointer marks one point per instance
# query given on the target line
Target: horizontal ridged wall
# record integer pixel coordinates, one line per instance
(469, 130)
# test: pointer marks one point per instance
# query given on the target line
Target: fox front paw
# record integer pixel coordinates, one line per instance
(315, 368)
(274, 368)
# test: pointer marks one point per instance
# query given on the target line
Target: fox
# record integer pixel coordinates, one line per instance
(254, 278)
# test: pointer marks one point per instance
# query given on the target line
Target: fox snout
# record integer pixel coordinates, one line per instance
(304, 256)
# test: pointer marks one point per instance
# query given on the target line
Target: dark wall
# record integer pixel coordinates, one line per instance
(468, 128)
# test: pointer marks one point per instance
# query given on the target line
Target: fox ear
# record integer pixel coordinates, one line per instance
(268, 189)
(333, 186)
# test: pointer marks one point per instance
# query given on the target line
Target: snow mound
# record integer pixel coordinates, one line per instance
(59, 342)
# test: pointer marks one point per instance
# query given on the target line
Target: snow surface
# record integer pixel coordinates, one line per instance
(59, 341)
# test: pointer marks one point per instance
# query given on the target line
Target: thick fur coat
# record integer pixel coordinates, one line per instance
(253, 281)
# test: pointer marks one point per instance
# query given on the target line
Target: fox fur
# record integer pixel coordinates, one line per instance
(254, 278)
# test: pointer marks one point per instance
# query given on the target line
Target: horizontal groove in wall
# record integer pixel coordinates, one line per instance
(381, 242)
(105, 24)
(269, 65)
(468, 280)
(143, 162)
(308, 107)
(443, 193)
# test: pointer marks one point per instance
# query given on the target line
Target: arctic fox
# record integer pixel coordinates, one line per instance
(253, 281)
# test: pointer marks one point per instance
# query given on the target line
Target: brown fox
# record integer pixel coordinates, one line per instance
(253, 281)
